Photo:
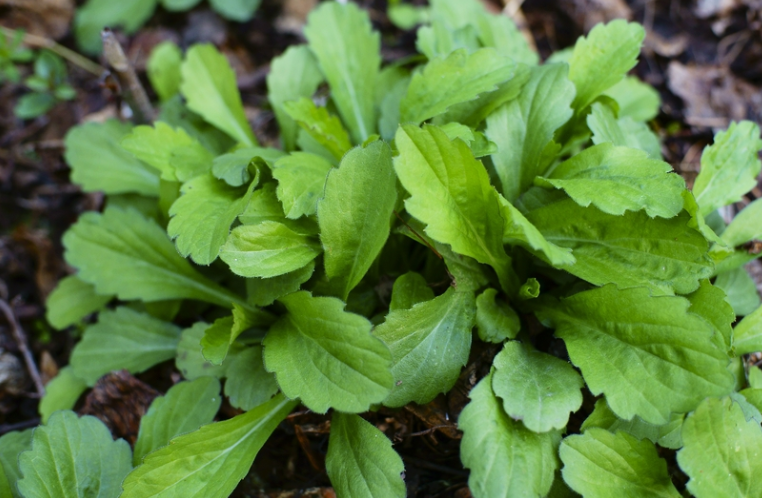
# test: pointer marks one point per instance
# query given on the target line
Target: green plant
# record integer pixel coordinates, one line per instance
(570, 219)
(12, 52)
(49, 85)
(95, 15)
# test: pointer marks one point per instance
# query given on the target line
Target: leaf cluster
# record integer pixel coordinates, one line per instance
(536, 192)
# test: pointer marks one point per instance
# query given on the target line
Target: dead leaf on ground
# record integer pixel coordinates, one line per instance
(48, 18)
(588, 13)
(294, 16)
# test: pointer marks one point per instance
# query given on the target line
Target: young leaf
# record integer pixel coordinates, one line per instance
(451, 193)
(495, 321)
(265, 206)
(603, 58)
(618, 179)
(209, 86)
(709, 302)
(99, 163)
(745, 227)
(202, 216)
(12, 445)
(325, 128)
(519, 231)
(666, 436)
(163, 68)
(123, 339)
(348, 51)
(523, 129)
(361, 462)
(190, 361)
(235, 10)
(211, 461)
(263, 291)
(71, 301)
(501, 33)
(408, 290)
(636, 100)
(327, 356)
(666, 255)
(729, 167)
(95, 14)
(623, 131)
(301, 179)
(505, 458)
(430, 343)
(156, 146)
(73, 456)
(672, 361)
(221, 335)
(458, 78)
(536, 388)
(740, 289)
(600, 464)
(293, 75)
(186, 407)
(61, 393)
(355, 214)
(721, 451)
(248, 384)
(123, 253)
(267, 250)
(234, 167)
(747, 335)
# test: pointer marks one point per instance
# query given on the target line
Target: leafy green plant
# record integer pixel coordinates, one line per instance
(95, 15)
(12, 52)
(569, 226)
(49, 85)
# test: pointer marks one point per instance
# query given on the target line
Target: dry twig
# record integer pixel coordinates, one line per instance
(20, 338)
(134, 93)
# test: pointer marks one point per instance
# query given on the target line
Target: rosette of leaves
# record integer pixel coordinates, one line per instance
(535, 190)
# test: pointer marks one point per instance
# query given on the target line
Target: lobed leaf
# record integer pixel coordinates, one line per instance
(325, 128)
(301, 179)
(623, 131)
(234, 167)
(12, 445)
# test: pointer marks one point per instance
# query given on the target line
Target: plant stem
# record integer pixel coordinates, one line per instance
(133, 90)
(68, 54)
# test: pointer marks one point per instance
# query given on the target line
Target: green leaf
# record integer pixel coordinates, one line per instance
(618, 179)
(536, 388)
(71, 301)
(74, 457)
(301, 180)
(729, 167)
(599, 464)
(631, 250)
(709, 302)
(666, 436)
(157, 147)
(186, 407)
(293, 75)
(99, 163)
(501, 33)
(458, 78)
(672, 361)
(209, 86)
(325, 128)
(348, 52)
(355, 214)
(211, 461)
(523, 129)
(519, 231)
(122, 253)
(202, 216)
(265, 206)
(745, 227)
(451, 193)
(505, 458)
(235, 10)
(123, 339)
(263, 291)
(248, 384)
(623, 131)
(740, 289)
(753, 396)
(326, 356)
(747, 335)
(430, 343)
(163, 68)
(408, 290)
(721, 451)
(12, 445)
(234, 167)
(603, 58)
(61, 393)
(95, 15)
(221, 335)
(179, 5)
(267, 250)
(190, 361)
(34, 104)
(441, 40)
(495, 321)
(361, 462)
(636, 100)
